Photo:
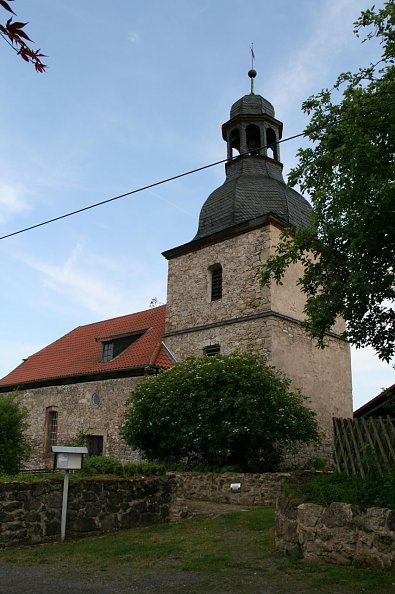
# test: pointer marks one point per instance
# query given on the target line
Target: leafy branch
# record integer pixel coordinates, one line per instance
(13, 33)
(347, 252)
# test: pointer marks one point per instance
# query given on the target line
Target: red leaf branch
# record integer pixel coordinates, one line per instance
(13, 31)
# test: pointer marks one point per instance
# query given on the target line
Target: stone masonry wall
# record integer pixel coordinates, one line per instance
(78, 413)
(249, 336)
(323, 375)
(287, 297)
(188, 291)
(30, 512)
(341, 533)
(256, 489)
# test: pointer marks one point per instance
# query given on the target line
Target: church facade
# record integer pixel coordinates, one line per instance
(215, 304)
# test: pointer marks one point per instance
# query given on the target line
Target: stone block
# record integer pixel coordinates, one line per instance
(10, 506)
(308, 514)
(82, 524)
(337, 514)
(376, 519)
(383, 542)
(286, 533)
(390, 523)
(51, 528)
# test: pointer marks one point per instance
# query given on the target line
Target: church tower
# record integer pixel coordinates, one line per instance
(215, 303)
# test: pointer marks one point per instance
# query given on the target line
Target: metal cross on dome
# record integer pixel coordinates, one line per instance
(252, 72)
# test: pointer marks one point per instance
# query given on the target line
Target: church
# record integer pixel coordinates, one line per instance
(76, 387)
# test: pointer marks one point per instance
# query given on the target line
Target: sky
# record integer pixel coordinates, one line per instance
(136, 92)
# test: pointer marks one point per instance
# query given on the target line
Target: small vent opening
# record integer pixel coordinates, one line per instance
(212, 350)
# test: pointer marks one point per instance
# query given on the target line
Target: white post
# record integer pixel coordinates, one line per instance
(64, 505)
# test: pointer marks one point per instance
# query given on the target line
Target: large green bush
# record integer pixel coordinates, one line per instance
(14, 446)
(218, 411)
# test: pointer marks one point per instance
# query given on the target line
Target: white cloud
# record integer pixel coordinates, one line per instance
(13, 353)
(134, 37)
(96, 284)
(298, 77)
(12, 202)
(370, 375)
(365, 360)
(167, 201)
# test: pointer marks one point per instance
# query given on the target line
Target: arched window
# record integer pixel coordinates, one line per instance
(253, 137)
(51, 428)
(216, 282)
(234, 140)
(271, 144)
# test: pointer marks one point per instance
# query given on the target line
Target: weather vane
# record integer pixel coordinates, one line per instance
(252, 72)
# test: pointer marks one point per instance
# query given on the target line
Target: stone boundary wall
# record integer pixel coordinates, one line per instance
(341, 533)
(30, 512)
(255, 489)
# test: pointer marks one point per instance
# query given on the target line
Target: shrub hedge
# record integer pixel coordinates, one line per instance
(373, 491)
(95, 465)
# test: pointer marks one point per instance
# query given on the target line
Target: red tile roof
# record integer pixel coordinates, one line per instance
(79, 352)
(375, 404)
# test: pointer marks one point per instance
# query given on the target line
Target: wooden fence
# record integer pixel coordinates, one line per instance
(363, 445)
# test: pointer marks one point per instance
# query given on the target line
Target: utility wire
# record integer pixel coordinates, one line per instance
(9, 42)
(174, 177)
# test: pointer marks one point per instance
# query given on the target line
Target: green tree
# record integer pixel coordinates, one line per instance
(218, 411)
(14, 446)
(348, 251)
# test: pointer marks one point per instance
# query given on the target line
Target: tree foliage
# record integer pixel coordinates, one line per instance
(218, 411)
(348, 250)
(13, 33)
(14, 446)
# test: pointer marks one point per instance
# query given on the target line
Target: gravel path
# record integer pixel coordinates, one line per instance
(58, 578)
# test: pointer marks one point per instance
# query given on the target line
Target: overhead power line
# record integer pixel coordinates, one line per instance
(174, 177)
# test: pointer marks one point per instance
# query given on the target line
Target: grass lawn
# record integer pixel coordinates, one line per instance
(231, 553)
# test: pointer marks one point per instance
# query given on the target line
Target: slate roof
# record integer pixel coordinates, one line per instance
(254, 187)
(78, 353)
(251, 105)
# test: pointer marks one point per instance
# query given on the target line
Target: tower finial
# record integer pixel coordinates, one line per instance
(252, 72)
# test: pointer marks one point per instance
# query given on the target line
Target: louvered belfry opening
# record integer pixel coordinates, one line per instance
(216, 282)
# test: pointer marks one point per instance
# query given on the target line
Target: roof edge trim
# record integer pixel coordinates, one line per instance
(75, 379)
(201, 242)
